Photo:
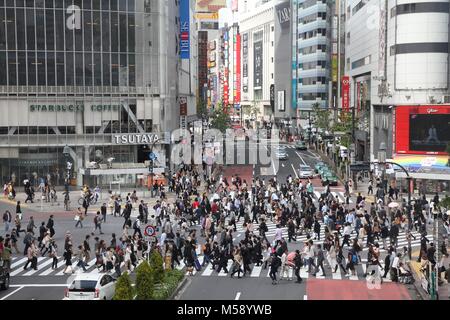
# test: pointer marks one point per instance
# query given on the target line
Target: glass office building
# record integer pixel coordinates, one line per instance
(79, 73)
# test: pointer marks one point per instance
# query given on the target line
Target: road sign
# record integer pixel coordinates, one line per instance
(152, 156)
(150, 231)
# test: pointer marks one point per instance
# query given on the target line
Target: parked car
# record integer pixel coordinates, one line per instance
(330, 178)
(4, 276)
(301, 145)
(86, 286)
(305, 172)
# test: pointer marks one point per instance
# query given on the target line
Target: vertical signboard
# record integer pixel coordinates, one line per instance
(281, 100)
(257, 64)
(237, 71)
(334, 68)
(245, 62)
(225, 69)
(272, 97)
(345, 93)
(382, 41)
(283, 11)
(184, 29)
(183, 112)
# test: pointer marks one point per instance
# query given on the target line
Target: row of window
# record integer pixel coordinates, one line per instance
(312, 65)
(113, 5)
(46, 30)
(312, 17)
(312, 96)
(68, 68)
(421, 7)
(312, 33)
(309, 3)
(313, 49)
(312, 81)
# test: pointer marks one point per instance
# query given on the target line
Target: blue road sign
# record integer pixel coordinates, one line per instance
(152, 156)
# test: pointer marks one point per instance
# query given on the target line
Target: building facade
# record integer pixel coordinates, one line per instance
(397, 64)
(311, 53)
(257, 29)
(95, 76)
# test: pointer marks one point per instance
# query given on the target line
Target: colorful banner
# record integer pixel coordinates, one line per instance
(346, 93)
(245, 62)
(209, 5)
(184, 29)
(334, 68)
(237, 82)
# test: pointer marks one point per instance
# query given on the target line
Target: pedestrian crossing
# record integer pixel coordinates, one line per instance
(261, 272)
(271, 226)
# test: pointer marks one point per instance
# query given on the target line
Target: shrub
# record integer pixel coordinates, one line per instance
(124, 291)
(446, 202)
(144, 282)
(171, 280)
(156, 264)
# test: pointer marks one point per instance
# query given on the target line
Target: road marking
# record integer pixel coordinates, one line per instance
(21, 261)
(237, 296)
(32, 271)
(256, 271)
(301, 158)
(305, 297)
(50, 270)
(39, 285)
(337, 275)
(208, 270)
(294, 170)
(10, 294)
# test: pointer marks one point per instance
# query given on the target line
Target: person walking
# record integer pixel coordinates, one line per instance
(274, 265)
(298, 263)
(320, 260)
(137, 227)
(7, 218)
(104, 210)
(31, 226)
(54, 254)
(18, 223)
(50, 224)
(79, 218)
(80, 257)
(19, 210)
(68, 259)
(237, 264)
(32, 253)
(97, 223)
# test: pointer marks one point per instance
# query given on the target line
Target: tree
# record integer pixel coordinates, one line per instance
(144, 281)
(220, 119)
(156, 265)
(344, 124)
(446, 202)
(322, 117)
(124, 291)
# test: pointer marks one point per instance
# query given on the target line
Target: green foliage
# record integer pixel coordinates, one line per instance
(156, 265)
(124, 290)
(202, 110)
(144, 282)
(323, 117)
(220, 119)
(446, 202)
(171, 280)
(448, 151)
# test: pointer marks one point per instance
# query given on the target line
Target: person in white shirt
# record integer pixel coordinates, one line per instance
(278, 233)
(347, 233)
(395, 267)
(284, 267)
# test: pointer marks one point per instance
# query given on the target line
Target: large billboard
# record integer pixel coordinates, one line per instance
(184, 29)
(209, 5)
(283, 12)
(257, 64)
(422, 129)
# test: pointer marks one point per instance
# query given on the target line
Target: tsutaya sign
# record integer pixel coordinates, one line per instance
(139, 138)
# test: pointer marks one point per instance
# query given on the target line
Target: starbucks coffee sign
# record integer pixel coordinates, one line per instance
(74, 107)
(140, 138)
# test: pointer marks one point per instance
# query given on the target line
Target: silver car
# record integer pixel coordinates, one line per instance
(305, 172)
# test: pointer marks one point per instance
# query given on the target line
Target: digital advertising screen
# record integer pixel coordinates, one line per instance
(429, 132)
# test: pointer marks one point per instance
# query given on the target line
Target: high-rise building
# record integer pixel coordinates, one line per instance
(99, 77)
(311, 53)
